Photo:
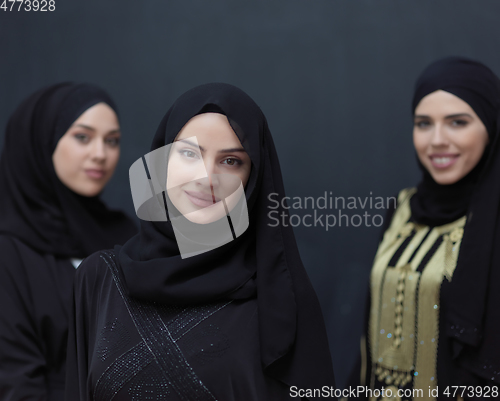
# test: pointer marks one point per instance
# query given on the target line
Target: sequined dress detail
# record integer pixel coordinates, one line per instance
(410, 265)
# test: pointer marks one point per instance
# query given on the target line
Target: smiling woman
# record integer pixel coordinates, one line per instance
(206, 169)
(235, 317)
(434, 321)
(61, 148)
(85, 157)
(448, 136)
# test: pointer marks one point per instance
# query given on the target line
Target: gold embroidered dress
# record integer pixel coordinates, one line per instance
(403, 334)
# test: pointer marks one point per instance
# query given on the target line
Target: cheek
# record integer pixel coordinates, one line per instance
(474, 157)
(420, 142)
(244, 172)
(175, 196)
(67, 160)
(474, 147)
(180, 172)
(68, 164)
(245, 176)
(113, 157)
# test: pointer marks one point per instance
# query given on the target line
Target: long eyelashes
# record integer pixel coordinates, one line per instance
(113, 142)
(82, 138)
(189, 154)
(235, 162)
(85, 139)
(459, 123)
(421, 124)
(228, 161)
(453, 123)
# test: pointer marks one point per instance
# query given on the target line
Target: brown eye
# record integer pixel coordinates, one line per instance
(422, 124)
(113, 142)
(459, 123)
(231, 161)
(83, 138)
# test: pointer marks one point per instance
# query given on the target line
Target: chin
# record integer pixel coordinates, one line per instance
(204, 216)
(446, 179)
(198, 220)
(89, 192)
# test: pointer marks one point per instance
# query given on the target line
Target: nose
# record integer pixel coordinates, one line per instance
(98, 150)
(214, 180)
(211, 172)
(439, 136)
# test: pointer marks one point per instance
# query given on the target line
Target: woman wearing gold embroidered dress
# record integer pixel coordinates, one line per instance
(434, 320)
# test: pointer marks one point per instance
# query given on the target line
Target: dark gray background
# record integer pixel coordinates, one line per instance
(334, 78)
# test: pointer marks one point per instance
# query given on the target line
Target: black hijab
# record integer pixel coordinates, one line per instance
(264, 260)
(35, 206)
(470, 310)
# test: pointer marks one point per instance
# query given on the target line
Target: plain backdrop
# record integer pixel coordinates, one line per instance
(334, 78)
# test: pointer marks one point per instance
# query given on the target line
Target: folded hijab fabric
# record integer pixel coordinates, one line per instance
(42, 225)
(470, 313)
(261, 267)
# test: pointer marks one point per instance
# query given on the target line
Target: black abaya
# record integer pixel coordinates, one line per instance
(272, 331)
(216, 343)
(43, 225)
(35, 295)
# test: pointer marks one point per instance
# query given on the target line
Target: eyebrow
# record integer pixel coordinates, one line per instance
(93, 129)
(448, 116)
(230, 150)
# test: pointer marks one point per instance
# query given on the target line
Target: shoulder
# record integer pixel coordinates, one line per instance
(93, 271)
(11, 245)
(402, 204)
(21, 269)
(405, 194)
(93, 285)
(16, 256)
(398, 210)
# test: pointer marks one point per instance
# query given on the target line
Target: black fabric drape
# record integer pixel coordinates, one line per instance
(264, 260)
(42, 225)
(35, 206)
(471, 317)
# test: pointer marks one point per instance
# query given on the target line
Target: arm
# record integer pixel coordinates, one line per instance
(76, 360)
(22, 359)
(80, 336)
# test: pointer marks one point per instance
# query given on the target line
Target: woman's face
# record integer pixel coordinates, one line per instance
(86, 155)
(207, 165)
(448, 136)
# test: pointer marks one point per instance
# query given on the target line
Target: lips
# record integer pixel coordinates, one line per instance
(441, 161)
(95, 173)
(201, 199)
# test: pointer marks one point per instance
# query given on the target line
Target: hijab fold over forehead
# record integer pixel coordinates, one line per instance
(469, 80)
(263, 261)
(35, 206)
(470, 300)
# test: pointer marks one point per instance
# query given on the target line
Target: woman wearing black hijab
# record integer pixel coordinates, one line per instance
(61, 147)
(434, 320)
(174, 314)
